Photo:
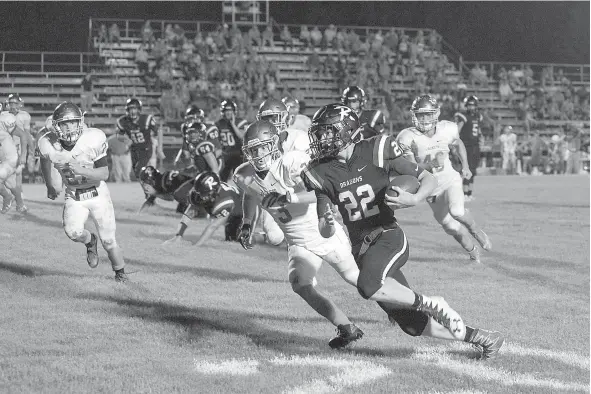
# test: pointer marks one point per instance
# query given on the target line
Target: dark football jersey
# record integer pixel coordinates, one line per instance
(358, 186)
(227, 203)
(470, 132)
(231, 143)
(203, 147)
(373, 122)
(139, 132)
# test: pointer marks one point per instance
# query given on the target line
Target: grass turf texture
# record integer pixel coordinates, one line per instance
(218, 319)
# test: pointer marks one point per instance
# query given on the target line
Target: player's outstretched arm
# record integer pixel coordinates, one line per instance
(461, 149)
(148, 203)
(212, 162)
(182, 227)
(210, 229)
(45, 165)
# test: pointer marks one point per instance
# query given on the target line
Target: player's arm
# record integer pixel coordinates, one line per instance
(239, 128)
(182, 227)
(460, 120)
(150, 201)
(25, 144)
(405, 143)
(250, 215)
(326, 220)
(460, 149)
(45, 147)
(206, 150)
(427, 181)
(156, 132)
(378, 122)
(210, 229)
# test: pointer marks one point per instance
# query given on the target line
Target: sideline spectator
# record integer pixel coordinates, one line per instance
(87, 95)
(120, 157)
(508, 142)
(114, 35)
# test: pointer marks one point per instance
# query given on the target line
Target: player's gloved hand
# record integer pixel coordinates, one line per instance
(403, 200)
(52, 193)
(244, 236)
(466, 173)
(274, 199)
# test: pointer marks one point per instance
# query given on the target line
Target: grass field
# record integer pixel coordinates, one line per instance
(218, 319)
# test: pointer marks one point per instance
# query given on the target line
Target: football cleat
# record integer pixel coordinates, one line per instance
(490, 342)
(475, 255)
(7, 204)
(121, 276)
(346, 333)
(92, 252)
(482, 239)
(442, 313)
(22, 208)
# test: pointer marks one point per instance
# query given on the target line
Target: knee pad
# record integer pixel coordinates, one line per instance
(109, 243)
(411, 322)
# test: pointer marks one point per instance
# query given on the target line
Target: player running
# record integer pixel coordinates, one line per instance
(79, 154)
(269, 175)
(354, 175)
(428, 142)
(373, 121)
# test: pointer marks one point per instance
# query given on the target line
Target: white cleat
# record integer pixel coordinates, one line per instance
(442, 313)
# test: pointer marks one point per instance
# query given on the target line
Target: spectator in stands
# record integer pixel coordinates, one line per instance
(314, 62)
(506, 92)
(573, 147)
(103, 34)
(403, 46)
(329, 36)
(267, 37)
(538, 145)
(179, 36)
(159, 51)
(148, 34)
(86, 95)
(515, 78)
(339, 40)
(391, 40)
(119, 145)
(305, 36)
(528, 76)
(285, 36)
(355, 42)
(141, 59)
(255, 35)
(316, 37)
(114, 35)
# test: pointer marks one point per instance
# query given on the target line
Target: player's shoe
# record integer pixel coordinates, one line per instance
(442, 313)
(346, 333)
(475, 255)
(92, 252)
(121, 276)
(490, 342)
(482, 239)
(7, 204)
(468, 198)
(21, 208)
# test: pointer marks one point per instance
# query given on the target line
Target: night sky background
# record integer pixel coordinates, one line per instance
(545, 32)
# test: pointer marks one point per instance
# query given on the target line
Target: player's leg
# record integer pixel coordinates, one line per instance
(302, 269)
(441, 211)
(272, 233)
(7, 179)
(103, 215)
(126, 167)
(74, 217)
(379, 281)
(340, 257)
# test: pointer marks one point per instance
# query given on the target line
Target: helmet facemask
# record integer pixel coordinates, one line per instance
(325, 141)
(133, 111)
(193, 136)
(262, 153)
(425, 120)
(69, 129)
(278, 119)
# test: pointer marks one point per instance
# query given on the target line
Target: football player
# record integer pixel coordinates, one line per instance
(372, 120)
(169, 186)
(79, 154)
(140, 128)
(9, 160)
(231, 132)
(24, 141)
(428, 142)
(296, 120)
(354, 175)
(205, 150)
(220, 200)
(471, 135)
(269, 174)
(194, 114)
(277, 113)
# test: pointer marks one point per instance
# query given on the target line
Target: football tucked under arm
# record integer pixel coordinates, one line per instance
(402, 166)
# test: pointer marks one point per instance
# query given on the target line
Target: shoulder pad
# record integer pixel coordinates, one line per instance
(243, 175)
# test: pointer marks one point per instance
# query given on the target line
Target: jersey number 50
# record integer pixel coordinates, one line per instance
(361, 204)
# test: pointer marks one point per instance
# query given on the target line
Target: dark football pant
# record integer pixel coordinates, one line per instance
(386, 255)
(232, 227)
(230, 163)
(473, 153)
(140, 158)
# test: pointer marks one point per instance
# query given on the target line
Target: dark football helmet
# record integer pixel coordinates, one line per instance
(14, 103)
(471, 104)
(425, 113)
(261, 144)
(149, 177)
(194, 133)
(68, 122)
(205, 188)
(352, 95)
(275, 112)
(194, 113)
(133, 108)
(334, 127)
(228, 105)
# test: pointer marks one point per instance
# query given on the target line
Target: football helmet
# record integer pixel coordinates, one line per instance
(194, 113)
(206, 187)
(334, 127)
(68, 122)
(228, 105)
(194, 133)
(261, 145)
(275, 112)
(471, 104)
(425, 113)
(14, 103)
(352, 95)
(133, 107)
(149, 177)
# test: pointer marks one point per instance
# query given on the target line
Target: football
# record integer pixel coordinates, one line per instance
(406, 182)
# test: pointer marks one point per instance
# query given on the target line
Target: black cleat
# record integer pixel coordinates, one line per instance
(92, 252)
(121, 276)
(346, 333)
(490, 342)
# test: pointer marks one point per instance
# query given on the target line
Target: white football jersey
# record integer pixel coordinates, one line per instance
(296, 140)
(90, 147)
(7, 124)
(301, 122)
(427, 149)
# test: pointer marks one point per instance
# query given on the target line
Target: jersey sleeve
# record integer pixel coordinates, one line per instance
(405, 142)
(121, 125)
(312, 180)
(204, 148)
(385, 149)
(402, 166)
(292, 165)
(378, 121)
(460, 117)
(241, 124)
(44, 147)
(99, 145)
(212, 132)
